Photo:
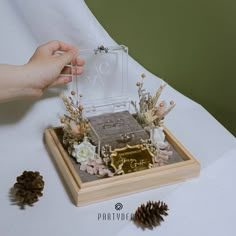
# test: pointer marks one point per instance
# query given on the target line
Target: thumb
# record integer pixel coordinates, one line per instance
(67, 57)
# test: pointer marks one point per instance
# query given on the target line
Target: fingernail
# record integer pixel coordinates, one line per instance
(67, 80)
(75, 52)
(79, 71)
(80, 61)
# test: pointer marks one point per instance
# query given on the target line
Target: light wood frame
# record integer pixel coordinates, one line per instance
(107, 188)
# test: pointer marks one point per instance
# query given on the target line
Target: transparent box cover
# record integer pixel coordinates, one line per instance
(103, 84)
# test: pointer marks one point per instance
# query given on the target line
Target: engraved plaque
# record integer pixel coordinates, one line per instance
(131, 158)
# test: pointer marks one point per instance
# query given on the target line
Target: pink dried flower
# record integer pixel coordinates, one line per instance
(98, 161)
(91, 163)
(83, 167)
(101, 171)
(90, 170)
(96, 167)
(162, 156)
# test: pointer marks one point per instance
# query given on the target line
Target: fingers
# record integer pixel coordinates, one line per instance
(67, 77)
(80, 62)
(58, 45)
(67, 58)
(61, 80)
(70, 57)
(77, 62)
(72, 70)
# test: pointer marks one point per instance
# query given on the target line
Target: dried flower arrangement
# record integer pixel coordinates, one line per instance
(76, 137)
(151, 214)
(77, 132)
(149, 112)
(75, 126)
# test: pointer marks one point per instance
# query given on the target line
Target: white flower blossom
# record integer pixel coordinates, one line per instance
(158, 137)
(84, 151)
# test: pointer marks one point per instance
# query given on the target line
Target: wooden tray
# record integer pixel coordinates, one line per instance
(86, 188)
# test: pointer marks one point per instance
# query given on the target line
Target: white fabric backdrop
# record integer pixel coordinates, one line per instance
(196, 205)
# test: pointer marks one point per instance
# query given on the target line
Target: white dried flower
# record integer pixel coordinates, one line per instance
(84, 151)
(158, 137)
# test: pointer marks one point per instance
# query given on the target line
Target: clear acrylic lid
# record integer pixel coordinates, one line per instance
(103, 84)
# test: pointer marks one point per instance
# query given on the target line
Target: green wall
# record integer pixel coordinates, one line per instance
(190, 44)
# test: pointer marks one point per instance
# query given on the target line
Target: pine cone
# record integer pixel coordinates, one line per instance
(29, 187)
(150, 215)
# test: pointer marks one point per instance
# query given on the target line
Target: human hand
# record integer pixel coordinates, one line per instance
(45, 67)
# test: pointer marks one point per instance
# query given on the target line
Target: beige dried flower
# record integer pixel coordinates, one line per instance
(149, 113)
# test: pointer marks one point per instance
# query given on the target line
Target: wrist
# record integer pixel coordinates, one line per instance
(29, 85)
(15, 83)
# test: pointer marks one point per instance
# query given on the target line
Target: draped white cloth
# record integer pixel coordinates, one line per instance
(197, 204)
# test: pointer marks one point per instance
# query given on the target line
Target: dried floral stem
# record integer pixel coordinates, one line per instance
(167, 111)
(158, 94)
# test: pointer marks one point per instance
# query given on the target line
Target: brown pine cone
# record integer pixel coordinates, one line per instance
(29, 187)
(149, 215)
